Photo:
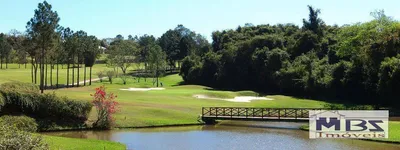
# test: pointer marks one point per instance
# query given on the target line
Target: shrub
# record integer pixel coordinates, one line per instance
(2, 101)
(22, 123)
(106, 106)
(43, 107)
(362, 107)
(334, 107)
(13, 139)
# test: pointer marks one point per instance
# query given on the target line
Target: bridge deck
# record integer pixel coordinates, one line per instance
(256, 118)
(210, 114)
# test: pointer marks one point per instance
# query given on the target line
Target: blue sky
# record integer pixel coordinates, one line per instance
(107, 18)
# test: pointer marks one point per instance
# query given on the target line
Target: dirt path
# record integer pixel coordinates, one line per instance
(87, 81)
(97, 79)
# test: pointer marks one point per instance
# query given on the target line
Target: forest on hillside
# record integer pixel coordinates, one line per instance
(358, 63)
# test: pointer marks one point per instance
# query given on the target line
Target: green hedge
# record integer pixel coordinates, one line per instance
(24, 98)
(348, 107)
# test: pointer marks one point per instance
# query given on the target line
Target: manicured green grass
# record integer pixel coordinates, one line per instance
(14, 73)
(394, 132)
(62, 143)
(175, 104)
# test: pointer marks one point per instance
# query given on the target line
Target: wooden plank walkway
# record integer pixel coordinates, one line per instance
(211, 114)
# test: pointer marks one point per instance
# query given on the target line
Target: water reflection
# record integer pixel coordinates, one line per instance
(227, 135)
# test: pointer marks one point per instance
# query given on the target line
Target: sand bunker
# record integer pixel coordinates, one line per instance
(236, 99)
(142, 89)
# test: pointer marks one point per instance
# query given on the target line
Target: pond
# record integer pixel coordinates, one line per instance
(227, 135)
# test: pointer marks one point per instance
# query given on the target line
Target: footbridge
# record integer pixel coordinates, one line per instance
(211, 114)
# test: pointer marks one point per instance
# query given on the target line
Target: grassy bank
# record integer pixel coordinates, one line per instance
(61, 143)
(394, 132)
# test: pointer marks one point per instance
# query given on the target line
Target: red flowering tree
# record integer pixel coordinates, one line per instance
(106, 106)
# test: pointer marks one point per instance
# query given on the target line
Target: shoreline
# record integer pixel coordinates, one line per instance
(117, 128)
(303, 128)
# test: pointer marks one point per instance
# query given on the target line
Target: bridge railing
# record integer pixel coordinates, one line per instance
(243, 112)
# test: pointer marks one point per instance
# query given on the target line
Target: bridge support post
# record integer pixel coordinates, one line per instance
(208, 121)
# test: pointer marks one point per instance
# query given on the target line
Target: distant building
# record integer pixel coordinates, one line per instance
(103, 49)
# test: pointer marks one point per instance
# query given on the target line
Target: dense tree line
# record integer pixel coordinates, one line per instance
(359, 63)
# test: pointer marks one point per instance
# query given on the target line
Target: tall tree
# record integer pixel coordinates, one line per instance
(80, 38)
(202, 46)
(59, 55)
(15, 39)
(314, 23)
(92, 51)
(31, 48)
(42, 28)
(119, 37)
(68, 50)
(157, 61)
(145, 42)
(169, 43)
(179, 43)
(5, 49)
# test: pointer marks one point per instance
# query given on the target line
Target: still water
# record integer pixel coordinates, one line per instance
(227, 135)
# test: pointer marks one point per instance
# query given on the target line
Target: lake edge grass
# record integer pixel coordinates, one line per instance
(64, 143)
(394, 139)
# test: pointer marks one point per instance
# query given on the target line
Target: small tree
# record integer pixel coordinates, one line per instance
(101, 75)
(106, 106)
(110, 75)
(121, 54)
(124, 78)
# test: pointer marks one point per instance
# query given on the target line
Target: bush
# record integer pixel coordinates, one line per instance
(22, 123)
(106, 106)
(348, 107)
(187, 64)
(47, 107)
(13, 139)
(334, 107)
